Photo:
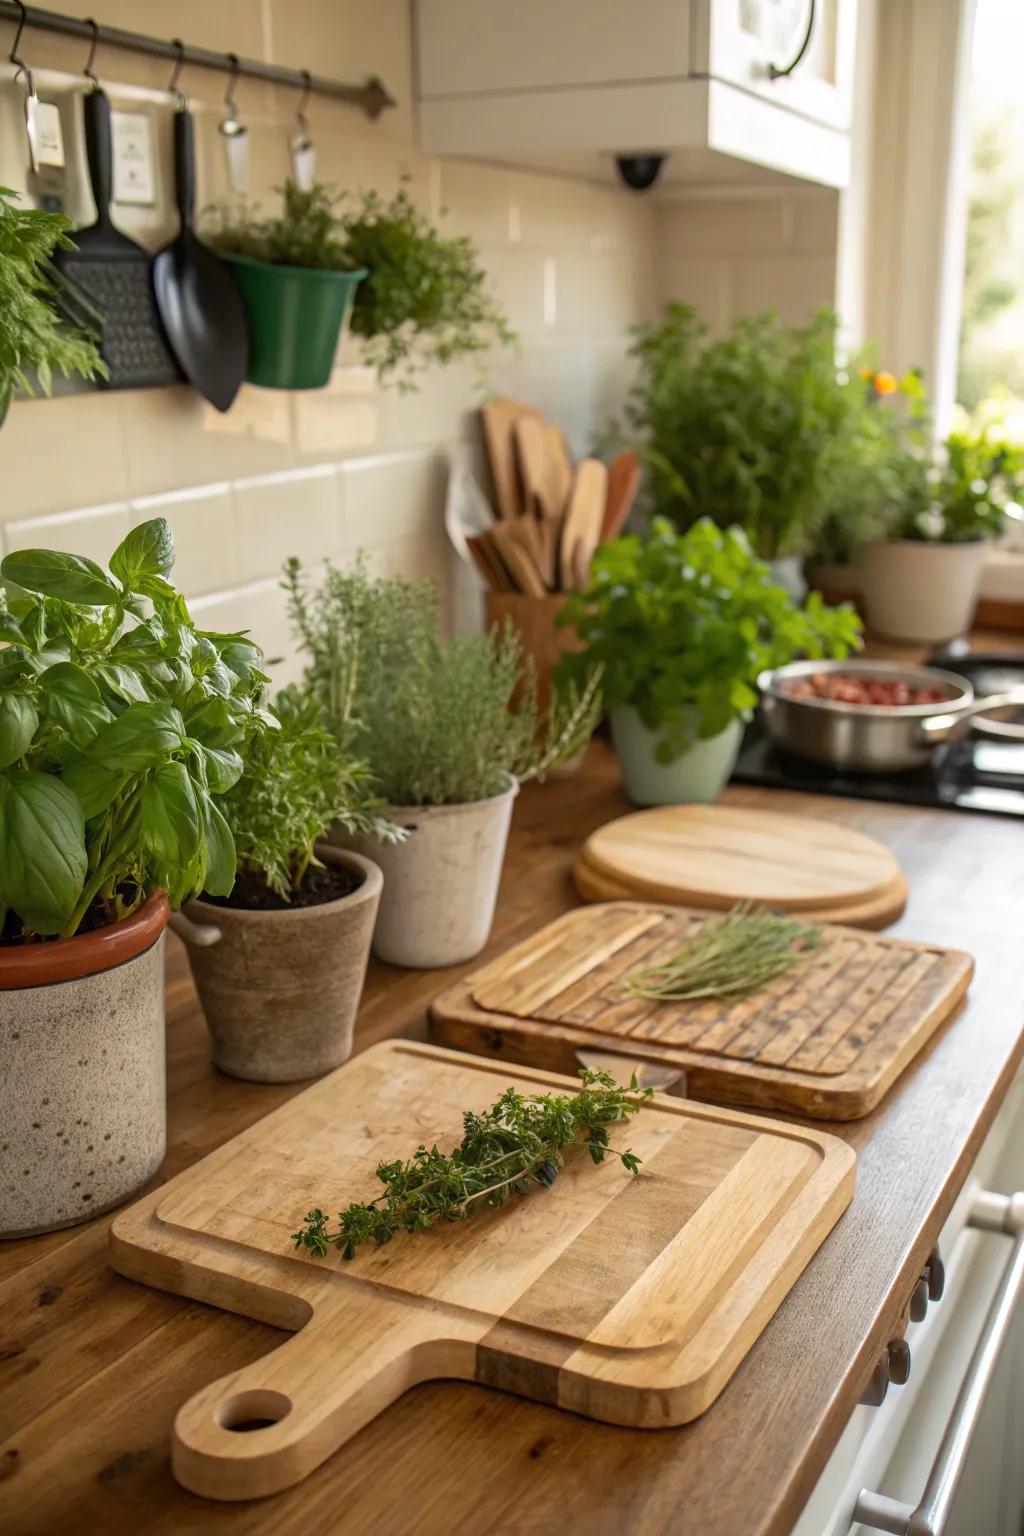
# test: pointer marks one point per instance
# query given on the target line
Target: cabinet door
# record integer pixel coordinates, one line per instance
(739, 40)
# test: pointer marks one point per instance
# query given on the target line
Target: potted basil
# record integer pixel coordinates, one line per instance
(415, 297)
(121, 726)
(448, 729)
(34, 342)
(921, 580)
(279, 961)
(681, 625)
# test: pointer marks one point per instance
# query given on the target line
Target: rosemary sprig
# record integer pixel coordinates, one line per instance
(517, 1143)
(737, 953)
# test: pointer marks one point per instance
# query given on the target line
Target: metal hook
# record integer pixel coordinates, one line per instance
(180, 99)
(300, 111)
(22, 67)
(229, 94)
(88, 70)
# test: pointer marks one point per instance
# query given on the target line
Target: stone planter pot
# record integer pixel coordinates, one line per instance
(697, 777)
(280, 989)
(441, 883)
(83, 1102)
(922, 592)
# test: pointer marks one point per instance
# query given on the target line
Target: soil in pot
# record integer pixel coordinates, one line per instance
(279, 982)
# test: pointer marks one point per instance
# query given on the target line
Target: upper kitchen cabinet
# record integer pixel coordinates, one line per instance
(576, 85)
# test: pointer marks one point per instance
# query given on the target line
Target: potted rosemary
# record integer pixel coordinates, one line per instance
(680, 626)
(921, 579)
(279, 961)
(435, 722)
(119, 734)
(414, 297)
(34, 342)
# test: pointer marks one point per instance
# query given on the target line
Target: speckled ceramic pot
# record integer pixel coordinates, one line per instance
(280, 989)
(83, 1104)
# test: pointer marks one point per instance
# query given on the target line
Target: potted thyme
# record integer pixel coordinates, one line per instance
(119, 735)
(279, 961)
(34, 342)
(415, 297)
(449, 729)
(680, 626)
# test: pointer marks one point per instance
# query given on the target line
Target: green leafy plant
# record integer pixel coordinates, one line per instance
(431, 717)
(425, 300)
(745, 429)
(961, 493)
(121, 724)
(509, 1149)
(34, 342)
(295, 786)
(737, 953)
(681, 625)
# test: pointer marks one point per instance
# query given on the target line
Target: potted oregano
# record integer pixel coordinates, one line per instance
(279, 961)
(414, 296)
(121, 728)
(449, 729)
(35, 343)
(681, 624)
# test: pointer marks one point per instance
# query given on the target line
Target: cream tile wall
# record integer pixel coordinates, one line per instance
(325, 473)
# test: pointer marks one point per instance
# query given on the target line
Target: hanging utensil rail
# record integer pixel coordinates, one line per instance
(372, 97)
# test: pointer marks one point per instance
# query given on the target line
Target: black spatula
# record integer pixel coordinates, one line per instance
(113, 273)
(198, 300)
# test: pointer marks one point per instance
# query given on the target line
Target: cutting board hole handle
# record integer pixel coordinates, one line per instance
(248, 1411)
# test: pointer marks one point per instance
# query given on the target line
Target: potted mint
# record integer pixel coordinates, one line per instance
(448, 729)
(680, 626)
(414, 297)
(34, 342)
(279, 961)
(921, 579)
(121, 728)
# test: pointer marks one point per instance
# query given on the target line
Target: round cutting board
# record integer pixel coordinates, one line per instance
(717, 855)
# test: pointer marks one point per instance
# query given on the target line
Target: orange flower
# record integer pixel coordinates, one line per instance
(885, 383)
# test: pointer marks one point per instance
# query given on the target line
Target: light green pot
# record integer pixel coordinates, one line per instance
(697, 777)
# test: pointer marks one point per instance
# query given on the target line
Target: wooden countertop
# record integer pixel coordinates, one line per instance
(94, 1367)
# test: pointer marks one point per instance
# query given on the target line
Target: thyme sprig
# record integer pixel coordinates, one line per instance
(517, 1143)
(739, 952)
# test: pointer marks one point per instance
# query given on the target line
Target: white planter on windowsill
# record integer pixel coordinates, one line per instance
(921, 591)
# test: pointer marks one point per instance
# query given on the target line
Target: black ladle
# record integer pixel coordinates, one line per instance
(199, 302)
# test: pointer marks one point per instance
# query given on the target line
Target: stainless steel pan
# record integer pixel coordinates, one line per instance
(867, 738)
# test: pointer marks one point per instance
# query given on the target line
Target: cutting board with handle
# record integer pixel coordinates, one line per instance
(631, 1300)
(827, 1039)
(581, 530)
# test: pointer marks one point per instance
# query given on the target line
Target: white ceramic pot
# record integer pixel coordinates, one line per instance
(696, 777)
(83, 1112)
(441, 883)
(919, 591)
(788, 571)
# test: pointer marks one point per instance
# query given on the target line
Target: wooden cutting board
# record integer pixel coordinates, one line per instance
(871, 912)
(629, 1300)
(716, 855)
(827, 1039)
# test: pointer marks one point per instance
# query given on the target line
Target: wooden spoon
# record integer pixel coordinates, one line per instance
(584, 518)
(623, 483)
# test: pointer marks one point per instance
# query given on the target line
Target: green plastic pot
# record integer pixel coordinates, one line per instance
(295, 319)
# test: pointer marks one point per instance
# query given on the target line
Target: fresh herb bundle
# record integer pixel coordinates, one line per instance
(737, 953)
(517, 1143)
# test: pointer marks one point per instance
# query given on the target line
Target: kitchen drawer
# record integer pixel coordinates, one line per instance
(890, 1448)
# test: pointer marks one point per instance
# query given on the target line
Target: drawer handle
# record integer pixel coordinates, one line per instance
(989, 1213)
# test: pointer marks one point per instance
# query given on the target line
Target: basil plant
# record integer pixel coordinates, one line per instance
(120, 725)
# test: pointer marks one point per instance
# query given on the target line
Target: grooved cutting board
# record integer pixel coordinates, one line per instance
(827, 1039)
(629, 1300)
(717, 855)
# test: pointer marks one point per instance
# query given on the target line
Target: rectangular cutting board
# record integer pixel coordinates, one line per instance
(827, 1039)
(631, 1300)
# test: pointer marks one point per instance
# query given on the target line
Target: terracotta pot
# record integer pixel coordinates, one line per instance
(441, 883)
(83, 1113)
(280, 989)
(919, 591)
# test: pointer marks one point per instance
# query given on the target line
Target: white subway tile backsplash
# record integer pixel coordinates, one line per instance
(200, 520)
(292, 513)
(387, 500)
(61, 453)
(94, 532)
